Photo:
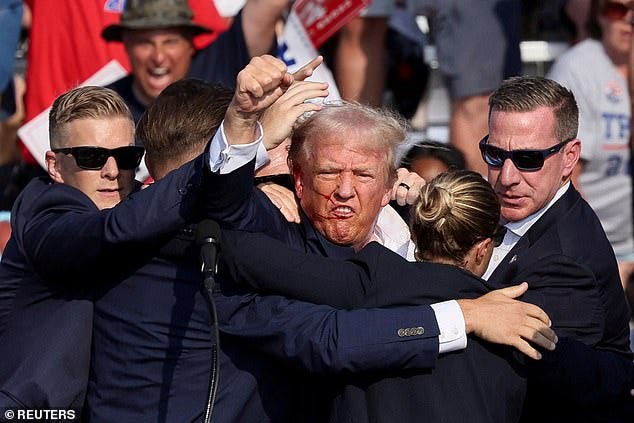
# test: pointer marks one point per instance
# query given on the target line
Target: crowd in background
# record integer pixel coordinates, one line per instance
(497, 204)
(396, 74)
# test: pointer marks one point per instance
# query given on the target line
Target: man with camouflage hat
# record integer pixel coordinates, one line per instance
(158, 38)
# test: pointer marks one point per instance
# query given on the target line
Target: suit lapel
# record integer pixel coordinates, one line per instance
(556, 212)
(506, 271)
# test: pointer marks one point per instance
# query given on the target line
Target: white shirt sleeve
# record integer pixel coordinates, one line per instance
(450, 319)
(225, 158)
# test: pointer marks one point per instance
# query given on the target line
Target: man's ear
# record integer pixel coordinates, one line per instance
(386, 197)
(150, 165)
(52, 167)
(572, 154)
(297, 181)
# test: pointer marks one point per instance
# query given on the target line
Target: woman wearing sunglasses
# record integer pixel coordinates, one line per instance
(596, 71)
(455, 223)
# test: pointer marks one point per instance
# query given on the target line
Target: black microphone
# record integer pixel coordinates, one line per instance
(208, 238)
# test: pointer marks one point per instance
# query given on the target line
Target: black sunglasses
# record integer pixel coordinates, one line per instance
(526, 160)
(615, 11)
(94, 158)
(498, 235)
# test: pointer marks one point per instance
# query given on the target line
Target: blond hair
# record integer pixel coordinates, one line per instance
(456, 209)
(380, 129)
(89, 102)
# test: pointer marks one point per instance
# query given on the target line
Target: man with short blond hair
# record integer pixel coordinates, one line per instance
(46, 309)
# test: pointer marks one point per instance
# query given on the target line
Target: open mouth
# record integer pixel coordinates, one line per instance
(158, 72)
(342, 212)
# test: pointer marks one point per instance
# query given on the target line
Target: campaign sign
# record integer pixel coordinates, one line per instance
(322, 18)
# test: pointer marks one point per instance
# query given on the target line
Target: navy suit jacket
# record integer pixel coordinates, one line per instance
(152, 342)
(64, 253)
(572, 274)
(608, 372)
(61, 247)
(459, 386)
(379, 395)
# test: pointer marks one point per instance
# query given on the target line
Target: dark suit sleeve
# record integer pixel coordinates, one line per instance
(567, 291)
(264, 263)
(321, 339)
(374, 277)
(65, 232)
(235, 203)
(577, 373)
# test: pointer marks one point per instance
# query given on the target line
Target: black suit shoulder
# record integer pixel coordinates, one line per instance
(399, 282)
(572, 274)
(374, 277)
(45, 325)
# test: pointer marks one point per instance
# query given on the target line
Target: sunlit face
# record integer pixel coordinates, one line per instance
(342, 189)
(522, 193)
(158, 58)
(105, 187)
(616, 34)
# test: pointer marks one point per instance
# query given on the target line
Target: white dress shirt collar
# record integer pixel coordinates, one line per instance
(392, 232)
(518, 229)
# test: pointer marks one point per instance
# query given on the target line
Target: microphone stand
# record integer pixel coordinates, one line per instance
(208, 237)
(208, 287)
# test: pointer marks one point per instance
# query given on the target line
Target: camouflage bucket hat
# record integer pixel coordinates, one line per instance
(154, 14)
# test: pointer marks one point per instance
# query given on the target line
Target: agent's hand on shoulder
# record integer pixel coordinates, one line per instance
(497, 317)
(283, 199)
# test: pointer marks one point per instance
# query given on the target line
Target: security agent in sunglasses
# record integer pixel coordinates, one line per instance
(562, 253)
(45, 306)
(71, 237)
(555, 242)
(75, 238)
(93, 153)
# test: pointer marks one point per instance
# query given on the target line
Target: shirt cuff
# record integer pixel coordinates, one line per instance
(225, 158)
(451, 324)
(262, 157)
